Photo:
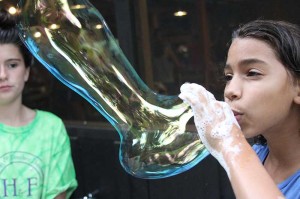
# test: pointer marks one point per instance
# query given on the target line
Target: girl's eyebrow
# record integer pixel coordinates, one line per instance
(13, 59)
(246, 62)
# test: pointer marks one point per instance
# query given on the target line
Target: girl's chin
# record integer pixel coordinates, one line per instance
(249, 133)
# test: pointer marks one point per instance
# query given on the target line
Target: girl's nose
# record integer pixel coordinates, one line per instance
(233, 90)
(3, 73)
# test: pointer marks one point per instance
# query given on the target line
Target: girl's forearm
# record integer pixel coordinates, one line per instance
(248, 177)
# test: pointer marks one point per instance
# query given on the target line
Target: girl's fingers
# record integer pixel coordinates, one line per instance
(197, 106)
(199, 92)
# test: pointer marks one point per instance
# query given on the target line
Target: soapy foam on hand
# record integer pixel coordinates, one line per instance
(221, 131)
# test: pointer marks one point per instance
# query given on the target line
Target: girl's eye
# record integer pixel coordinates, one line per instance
(12, 65)
(253, 73)
(227, 77)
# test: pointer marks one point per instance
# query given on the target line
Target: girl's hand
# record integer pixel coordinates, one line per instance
(214, 120)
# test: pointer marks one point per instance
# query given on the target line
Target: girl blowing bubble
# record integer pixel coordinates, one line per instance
(262, 99)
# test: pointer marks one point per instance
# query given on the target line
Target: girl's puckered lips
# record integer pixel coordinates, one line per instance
(237, 114)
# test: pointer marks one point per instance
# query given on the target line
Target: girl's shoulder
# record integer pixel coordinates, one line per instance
(48, 117)
(49, 122)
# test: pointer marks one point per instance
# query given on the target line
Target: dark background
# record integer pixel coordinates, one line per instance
(143, 28)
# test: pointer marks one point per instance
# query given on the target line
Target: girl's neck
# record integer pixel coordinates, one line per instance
(281, 165)
(284, 139)
(284, 151)
(16, 115)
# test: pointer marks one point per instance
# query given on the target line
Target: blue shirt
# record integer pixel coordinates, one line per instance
(290, 187)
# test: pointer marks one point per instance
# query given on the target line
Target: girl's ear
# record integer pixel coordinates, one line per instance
(27, 73)
(297, 97)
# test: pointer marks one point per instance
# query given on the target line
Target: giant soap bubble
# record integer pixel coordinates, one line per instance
(71, 44)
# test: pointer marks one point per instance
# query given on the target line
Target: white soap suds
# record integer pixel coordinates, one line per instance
(213, 116)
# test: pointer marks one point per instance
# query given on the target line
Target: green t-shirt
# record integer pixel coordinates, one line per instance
(35, 159)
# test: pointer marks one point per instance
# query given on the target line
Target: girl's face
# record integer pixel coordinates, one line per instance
(258, 89)
(13, 74)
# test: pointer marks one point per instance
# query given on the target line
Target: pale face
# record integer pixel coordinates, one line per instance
(259, 89)
(13, 74)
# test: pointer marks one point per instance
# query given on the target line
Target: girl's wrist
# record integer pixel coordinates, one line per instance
(235, 149)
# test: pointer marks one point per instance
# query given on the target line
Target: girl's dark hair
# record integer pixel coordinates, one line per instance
(283, 37)
(9, 34)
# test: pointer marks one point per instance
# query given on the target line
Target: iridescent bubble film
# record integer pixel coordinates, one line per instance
(77, 47)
